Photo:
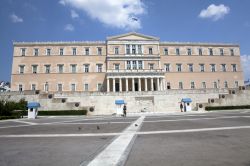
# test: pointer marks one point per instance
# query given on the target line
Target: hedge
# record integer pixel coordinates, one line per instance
(8, 117)
(210, 108)
(64, 112)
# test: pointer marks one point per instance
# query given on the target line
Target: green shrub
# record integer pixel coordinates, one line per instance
(64, 112)
(210, 108)
(8, 117)
(7, 107)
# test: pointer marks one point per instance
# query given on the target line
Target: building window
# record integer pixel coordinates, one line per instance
(86, 87)
(200, 51)
(180, 85)
(140, 65)
(117, 66)
(128, 65)
(127, 49)
(34, 69)
(33, 86)
(212, 67)
(133, 49)
(151, 66)
(178, 67)
(48, 51)
(192, 85)
(232, 52)
(47, 68)
(36, 51)
(223, 67)
(236, 84)
(86, 51)
(21, 69)
(134, 65)
(211, 51)
(202, 67)
(167, 67)
(221, 52)
(189, 51)
(225, 84)
(86, 68)
(234, 67)
(60, 68)
(177, 51)
(59, 87)
(46, 87)
(165, 51)
(61, 51)
(73, 51)
(23, 51)
(99, 50)
(215, 85)
(150, 51)
(73, 68)
(20, 87)
(116, 50)
(99, 68)
(139, 49)
(190, 67)
(203, 84)
(73, 87)
(99, 87)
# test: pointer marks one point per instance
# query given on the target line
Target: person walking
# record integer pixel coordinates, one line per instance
(181, 106)
(124, 110)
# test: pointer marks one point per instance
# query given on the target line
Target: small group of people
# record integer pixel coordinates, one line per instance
(183, 106)
(124, 110)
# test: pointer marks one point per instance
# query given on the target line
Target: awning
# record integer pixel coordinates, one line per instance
(33, 105)
(119, 102)
(186, 100)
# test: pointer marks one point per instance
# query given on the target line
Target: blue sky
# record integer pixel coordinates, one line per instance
(171, 20)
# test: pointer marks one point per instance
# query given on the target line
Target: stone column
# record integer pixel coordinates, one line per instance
(126, 84)
(120, 84)
(108, 85)
(152, 84)
(164, 84)
(139, 80)
(113, 84)
(146, 84)
(158, 84)
(133, 84)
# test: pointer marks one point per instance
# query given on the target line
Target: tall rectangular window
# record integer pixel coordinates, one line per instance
(202, 67)
(200, 51)
(33, 86)
(73, 87)
(21, 69)
(86, 87)
(190, 67)
(73, 68)
(99, 87)
(139, 49)
(117, 66)
(48, 51)
(234, 67)
(167, 67)
(61, 51)
(128, 65)
(116, 50)
(221, 52)
(225, 84)
(23, 51)
(59, 87)
(140, 65)
(150, 51)
(34, 69)
(165, 51)
(99, 68)
(134, 65)
(212, 67)
(178, 67)
(236, 84)
(203, 85)
(177, 51)
(215, 85)
(133, 49)
(192, 85)
(20, 87)
(127, 49)
(151, 66)
(232, 52)
(36, 51)
(47, 68)
(86, 68)
(99, 50)
(180, 85)
(211, 51)
(223, 67)
(189, 51)
(86, 51)
(73, 51)
(60, 68)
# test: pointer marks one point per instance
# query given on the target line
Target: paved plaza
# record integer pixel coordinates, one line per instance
(193, 139)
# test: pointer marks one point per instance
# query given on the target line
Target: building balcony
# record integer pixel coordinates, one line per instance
(135, 72)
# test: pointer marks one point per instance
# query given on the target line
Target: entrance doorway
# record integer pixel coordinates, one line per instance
(136, 86)
(117, 87)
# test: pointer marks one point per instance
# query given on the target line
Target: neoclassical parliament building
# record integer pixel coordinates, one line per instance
(124, 63)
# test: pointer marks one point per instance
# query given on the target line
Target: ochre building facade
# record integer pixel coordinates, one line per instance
(124, 63)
